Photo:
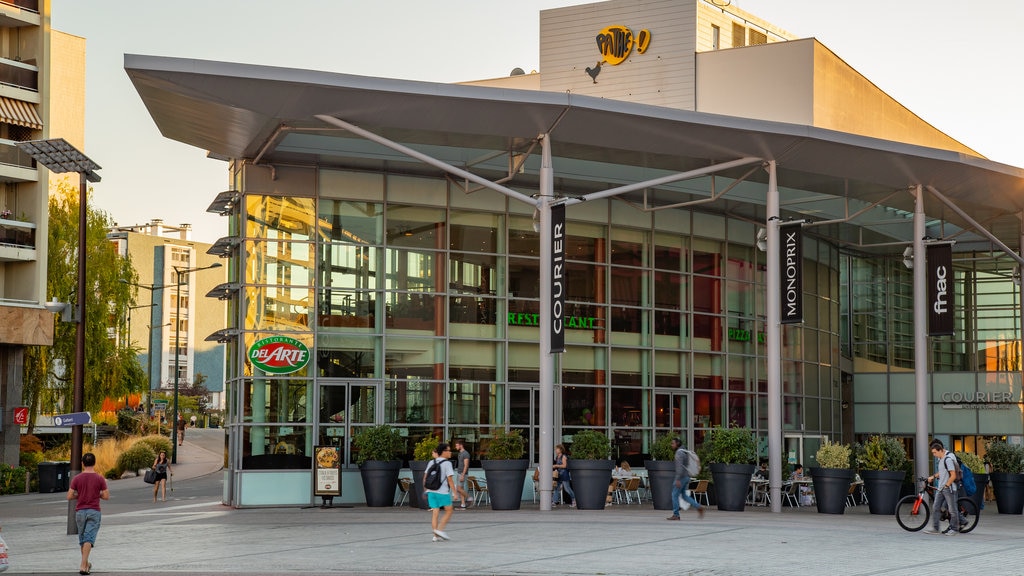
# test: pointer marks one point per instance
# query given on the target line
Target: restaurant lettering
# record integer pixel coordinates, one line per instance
(279, 355)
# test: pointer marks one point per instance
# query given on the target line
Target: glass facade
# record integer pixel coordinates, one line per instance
(419, 305)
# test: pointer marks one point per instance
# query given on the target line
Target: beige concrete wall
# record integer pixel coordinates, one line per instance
(848, 102)
(803, 82)
(770, 82)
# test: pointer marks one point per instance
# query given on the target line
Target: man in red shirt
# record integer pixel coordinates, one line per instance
(88, 488)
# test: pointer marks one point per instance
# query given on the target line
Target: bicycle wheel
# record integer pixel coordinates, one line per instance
(968, 510)
(907, 518)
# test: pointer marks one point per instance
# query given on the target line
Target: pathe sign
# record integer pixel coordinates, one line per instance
(279, 355)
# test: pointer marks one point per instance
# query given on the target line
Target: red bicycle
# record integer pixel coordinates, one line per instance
(913, 512)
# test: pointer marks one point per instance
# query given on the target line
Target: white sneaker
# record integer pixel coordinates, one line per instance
(932, 531)
(949, 532)
(435, 539)
(442, 534)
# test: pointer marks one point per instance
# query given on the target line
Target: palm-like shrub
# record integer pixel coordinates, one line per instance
(590, 445)
(833, 455)
(506, 445)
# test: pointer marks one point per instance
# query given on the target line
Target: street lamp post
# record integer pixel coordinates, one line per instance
(180, 273)
(60, 157)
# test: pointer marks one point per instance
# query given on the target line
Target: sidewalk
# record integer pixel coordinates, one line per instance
(202, 453)
(198, 535)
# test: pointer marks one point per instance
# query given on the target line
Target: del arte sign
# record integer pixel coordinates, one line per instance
(279, 355)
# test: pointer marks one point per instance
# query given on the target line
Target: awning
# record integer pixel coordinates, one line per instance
(20, 113)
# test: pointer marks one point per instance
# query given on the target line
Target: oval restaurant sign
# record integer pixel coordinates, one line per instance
(616, 43)
(279, 355)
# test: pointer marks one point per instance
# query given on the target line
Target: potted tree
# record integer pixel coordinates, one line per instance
(832, 477)
(731, 455)
(590, 469)
(505, 469)
(661, 471)
(883, 462)
(977, 466)
(422, 454)
(378, 451)
(1007, 476)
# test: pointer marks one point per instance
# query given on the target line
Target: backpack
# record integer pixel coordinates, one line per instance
(432, 478)
(692, 463)
(965, 477)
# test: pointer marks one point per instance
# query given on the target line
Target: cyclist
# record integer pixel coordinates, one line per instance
(945, 495)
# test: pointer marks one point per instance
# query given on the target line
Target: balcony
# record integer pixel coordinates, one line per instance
(19, 75)
(18, 13)
(17, 241)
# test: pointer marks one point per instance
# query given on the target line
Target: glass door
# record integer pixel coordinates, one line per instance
(802, 449)
(672, 414)
(524, 415)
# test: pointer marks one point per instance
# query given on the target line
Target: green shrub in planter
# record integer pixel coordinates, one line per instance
(729, 446)
(506, 445)
(380, 443)
(135, 458)
(662, 447)
(972, 461)
(1006, 458)
(882, 453)
(424, 449)
(833, 455)
(591, 445)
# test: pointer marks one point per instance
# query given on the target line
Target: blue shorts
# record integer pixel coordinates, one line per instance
(88, 522)
(438, 500)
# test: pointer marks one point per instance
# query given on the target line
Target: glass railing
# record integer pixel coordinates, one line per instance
(32, 5)
(19, 75)
(17, 233)
(12, 156)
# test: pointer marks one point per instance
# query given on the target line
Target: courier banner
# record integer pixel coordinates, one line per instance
(939, 258)
(558, 278)
(791, 262)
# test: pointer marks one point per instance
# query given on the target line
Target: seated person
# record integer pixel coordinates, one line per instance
(805, 490)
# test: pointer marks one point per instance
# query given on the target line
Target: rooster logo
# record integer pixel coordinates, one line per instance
(593, 72)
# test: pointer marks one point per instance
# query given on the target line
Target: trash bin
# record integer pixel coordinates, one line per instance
(53, 476)
(63, 476)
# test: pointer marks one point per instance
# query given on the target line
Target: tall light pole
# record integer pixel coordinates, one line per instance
(180, 273)
(60, 157)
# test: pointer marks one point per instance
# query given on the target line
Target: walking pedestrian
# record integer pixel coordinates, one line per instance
(682, 482)
(441, 497)
(181, 429)
(162, 467)
(463, 464)
(561, 465)
(88, 488)
(945, 496)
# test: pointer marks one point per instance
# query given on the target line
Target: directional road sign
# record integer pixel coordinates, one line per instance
(73, 419)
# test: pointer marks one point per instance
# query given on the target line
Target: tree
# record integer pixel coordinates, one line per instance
(112, 367)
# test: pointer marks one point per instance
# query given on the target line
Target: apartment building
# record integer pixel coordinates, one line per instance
(42, 95)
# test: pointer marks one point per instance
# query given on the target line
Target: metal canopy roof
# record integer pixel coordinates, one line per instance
(268, 114)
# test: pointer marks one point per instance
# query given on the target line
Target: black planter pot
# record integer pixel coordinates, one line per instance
(505, 480)
(883, 489)
(1009, 489)
(980, 480)
(660, 474)
(732, 481)
(831, 486)
(380, 480)
(417, 498)
(590, 479)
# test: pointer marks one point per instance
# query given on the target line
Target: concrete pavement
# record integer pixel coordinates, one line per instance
(194, 534)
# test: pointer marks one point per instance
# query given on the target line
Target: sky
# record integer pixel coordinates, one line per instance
(956, 64)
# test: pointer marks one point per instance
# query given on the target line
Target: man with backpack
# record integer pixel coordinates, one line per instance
(945, 496)
(439, 484)
(685, 462)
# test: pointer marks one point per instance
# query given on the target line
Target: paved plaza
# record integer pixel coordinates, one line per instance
(192, 533)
